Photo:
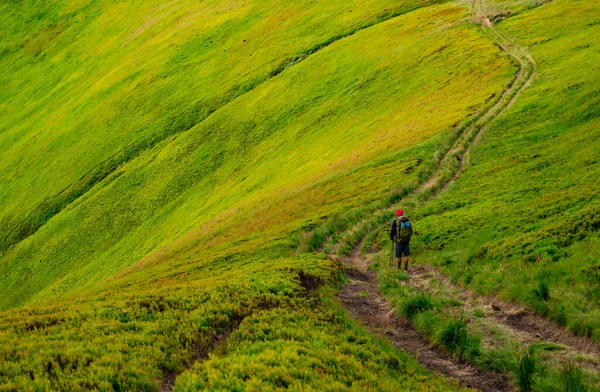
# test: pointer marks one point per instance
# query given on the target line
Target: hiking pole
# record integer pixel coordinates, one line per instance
(392, 255)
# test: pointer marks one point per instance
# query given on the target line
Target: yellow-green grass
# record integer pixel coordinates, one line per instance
(332, 132)
(284, 331)
(142, 268)
(523, 219)
(87, 86)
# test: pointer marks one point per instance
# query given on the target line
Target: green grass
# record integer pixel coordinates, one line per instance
(194, 71)
(469, 336)
(159, 164)
(268, 324)
(275, 349)
(418, 303)
(525, 212)
(305, 144)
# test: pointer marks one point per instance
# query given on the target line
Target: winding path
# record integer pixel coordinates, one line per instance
(362, 298)
(453, 159)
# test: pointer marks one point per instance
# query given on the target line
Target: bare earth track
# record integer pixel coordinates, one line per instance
(365, 303)
(363, 300)
(517, 320)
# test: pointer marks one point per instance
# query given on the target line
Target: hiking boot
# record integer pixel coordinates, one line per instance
(406, 267)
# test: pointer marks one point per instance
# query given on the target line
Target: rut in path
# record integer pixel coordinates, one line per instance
(361, 297)
(522, 324)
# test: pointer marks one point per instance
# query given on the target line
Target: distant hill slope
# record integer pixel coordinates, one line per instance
(330, 132)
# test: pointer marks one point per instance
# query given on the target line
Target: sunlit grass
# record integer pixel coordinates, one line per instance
(525, 212)
(160, 162)
(329, 133)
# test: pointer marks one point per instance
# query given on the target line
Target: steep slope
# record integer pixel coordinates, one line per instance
(90, 85)
(163, 245)
(526, 210)
(329, 133)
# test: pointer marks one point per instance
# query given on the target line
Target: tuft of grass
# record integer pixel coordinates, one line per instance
(402, 275)
(526, 369)
(571, 377)
(416, 303)
(453, 335)
(542, 291)
(584, 325)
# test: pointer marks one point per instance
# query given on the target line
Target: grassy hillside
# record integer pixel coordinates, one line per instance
(90, 86)
(266, 323)
(161, 166)
(159, 161)
(329, 133)
(522, 220)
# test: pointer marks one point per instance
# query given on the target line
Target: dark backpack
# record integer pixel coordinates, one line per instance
(403, 231)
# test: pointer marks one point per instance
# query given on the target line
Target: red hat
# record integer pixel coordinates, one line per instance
(399, 213)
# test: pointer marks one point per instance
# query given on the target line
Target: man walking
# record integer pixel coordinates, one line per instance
(400, 234)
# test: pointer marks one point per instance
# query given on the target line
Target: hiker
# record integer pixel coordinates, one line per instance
(400, 234)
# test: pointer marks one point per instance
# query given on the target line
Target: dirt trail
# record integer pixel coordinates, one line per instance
(361, 297)
(365, 303)
(168, 382)
(467, 136)
(525, 324)
(518, 321)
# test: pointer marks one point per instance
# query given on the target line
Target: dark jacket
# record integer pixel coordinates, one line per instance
(393, 229)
